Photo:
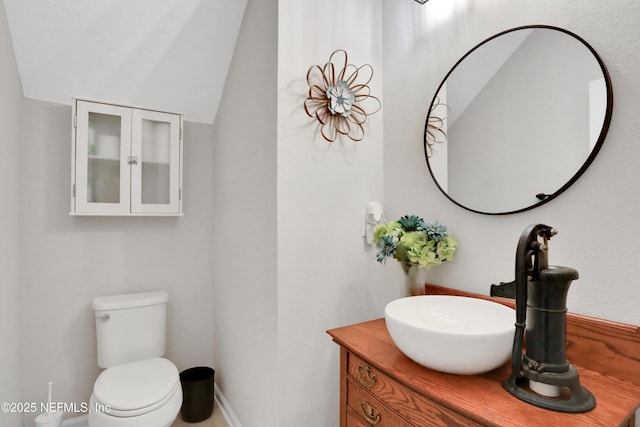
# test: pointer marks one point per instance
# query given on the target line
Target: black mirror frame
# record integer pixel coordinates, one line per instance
(544, 198)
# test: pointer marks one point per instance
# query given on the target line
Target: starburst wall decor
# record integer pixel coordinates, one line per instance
(339, 97)
(434, 131)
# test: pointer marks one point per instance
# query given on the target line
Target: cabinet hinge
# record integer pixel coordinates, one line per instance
(73, 190)
(75, 121)
(180, 194)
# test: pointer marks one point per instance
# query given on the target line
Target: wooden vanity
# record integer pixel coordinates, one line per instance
(381, 386)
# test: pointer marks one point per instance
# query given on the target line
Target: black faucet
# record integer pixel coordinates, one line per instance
(541, 307)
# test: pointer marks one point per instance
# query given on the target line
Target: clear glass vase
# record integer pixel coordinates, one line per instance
(415, 279)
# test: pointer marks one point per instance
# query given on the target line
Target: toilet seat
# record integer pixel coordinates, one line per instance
(136, 388)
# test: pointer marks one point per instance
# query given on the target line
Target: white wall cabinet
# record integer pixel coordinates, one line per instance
(125, 161)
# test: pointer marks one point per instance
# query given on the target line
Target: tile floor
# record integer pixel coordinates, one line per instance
(216, 420)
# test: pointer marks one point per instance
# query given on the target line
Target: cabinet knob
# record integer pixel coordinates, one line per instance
(365, 377)
(371, 414)
(132, 160)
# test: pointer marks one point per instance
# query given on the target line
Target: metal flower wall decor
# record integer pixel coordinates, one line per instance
(339, 97)
(434, 132)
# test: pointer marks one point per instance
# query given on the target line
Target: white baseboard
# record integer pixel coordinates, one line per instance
(224, 407)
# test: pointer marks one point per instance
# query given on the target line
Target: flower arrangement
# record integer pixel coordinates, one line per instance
(414, 242)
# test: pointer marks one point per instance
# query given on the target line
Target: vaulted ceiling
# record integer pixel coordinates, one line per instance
(170, 55)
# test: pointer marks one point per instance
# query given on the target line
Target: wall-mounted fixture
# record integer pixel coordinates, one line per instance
(372, 217)
(422, 1)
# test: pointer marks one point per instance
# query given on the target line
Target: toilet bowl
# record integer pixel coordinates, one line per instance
(139, 387)
(142, 393)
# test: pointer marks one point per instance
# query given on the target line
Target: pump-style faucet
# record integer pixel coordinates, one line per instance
(539, 376)
(530, 250)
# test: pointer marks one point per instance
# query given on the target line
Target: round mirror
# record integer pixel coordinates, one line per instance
(517, 120)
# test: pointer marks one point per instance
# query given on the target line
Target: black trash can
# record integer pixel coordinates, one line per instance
(197, 393)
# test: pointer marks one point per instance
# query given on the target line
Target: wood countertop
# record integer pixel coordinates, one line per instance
(606, 354)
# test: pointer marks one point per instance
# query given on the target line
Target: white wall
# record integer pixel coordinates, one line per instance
(327, 276)
(66, 261)
(244, 223)
(273, 214)
(10, 380)
(596, 217)
(290, 262)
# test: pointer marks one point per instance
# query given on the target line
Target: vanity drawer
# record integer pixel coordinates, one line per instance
(354, 421)
(369, 409)
(414, 408)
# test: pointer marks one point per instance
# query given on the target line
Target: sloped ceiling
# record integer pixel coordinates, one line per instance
(170, 55)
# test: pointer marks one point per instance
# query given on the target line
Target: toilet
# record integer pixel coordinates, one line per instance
(138, 388)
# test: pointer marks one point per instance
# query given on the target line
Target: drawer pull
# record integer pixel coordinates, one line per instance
(371, 414)
(365, 377)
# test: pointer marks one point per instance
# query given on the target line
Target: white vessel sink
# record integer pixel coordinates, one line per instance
(453, 334)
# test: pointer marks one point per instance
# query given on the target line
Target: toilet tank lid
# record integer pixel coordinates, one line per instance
(116, 302)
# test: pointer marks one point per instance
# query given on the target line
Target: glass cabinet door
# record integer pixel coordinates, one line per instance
(155, 179)
(126, 161)
(103, 139)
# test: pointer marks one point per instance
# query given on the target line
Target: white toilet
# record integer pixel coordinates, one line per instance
(139, 388)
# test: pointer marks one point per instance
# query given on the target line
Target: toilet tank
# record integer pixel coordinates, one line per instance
(130, 327)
